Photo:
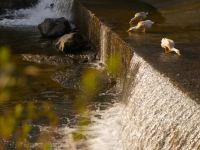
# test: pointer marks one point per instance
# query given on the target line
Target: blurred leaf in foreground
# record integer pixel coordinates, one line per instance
(16, 118)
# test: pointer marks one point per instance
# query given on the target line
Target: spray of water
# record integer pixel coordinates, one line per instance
(104, 132)
(157, 115)
(35, 15)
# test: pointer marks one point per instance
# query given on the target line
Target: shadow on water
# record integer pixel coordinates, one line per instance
(117, 13)
(17, 39)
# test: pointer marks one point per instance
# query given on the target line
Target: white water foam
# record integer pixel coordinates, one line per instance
(104, 132)
(157, 115)
(35, 15)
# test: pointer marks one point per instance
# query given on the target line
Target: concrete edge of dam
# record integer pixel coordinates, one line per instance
(107, 42)
(104, 39)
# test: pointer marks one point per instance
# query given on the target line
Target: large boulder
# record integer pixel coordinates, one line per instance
(72, 43)
(52, 27)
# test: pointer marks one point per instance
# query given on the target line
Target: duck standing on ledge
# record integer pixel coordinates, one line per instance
(168, 45)
(138, 17)
(142, 26)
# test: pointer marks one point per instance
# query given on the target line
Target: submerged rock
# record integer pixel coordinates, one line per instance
(72, 43)
(83, 57)
(54, 27)
(49, 60)
(69, 78)
(72, 77)
(68, 60)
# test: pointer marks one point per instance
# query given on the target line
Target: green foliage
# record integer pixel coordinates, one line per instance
(15, 122)
(114, 64)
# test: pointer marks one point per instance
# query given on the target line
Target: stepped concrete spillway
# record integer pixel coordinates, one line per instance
(161, 100)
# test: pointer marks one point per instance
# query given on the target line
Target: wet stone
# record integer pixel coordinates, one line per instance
(86, 56)
(54, 27)
(71, 77)
(49, 60)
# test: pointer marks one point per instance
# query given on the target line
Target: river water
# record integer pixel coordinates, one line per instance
(59, 79)
(161, 108)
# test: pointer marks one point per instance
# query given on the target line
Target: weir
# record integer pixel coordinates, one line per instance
(107, 42)
(161, 109)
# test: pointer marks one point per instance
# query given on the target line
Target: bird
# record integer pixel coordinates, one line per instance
(61, 42)
(138, 17)
(169, 45)
(141, 26)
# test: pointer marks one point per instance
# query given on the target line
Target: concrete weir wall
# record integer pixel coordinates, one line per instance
(107, 42)
(157, 114)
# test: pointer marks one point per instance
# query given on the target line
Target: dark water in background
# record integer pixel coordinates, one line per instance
(175, 19)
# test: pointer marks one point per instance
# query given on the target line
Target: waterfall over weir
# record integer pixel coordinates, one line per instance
(158, 115)
(153, 114)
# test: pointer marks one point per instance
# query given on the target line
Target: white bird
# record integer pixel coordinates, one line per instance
(141, 26)
(169, 45)
(138, 17)
(63, 40)
(61, 43)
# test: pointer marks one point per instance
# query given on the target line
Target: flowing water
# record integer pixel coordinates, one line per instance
(58, 82)
(159, 108)
(35, 15)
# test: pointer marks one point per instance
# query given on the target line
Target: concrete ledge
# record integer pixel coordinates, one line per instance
(106, 41)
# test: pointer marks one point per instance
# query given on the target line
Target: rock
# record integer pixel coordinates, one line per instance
(83, 57)
(71, 77)
(72, 43)
(51, 27)
(49, 60)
